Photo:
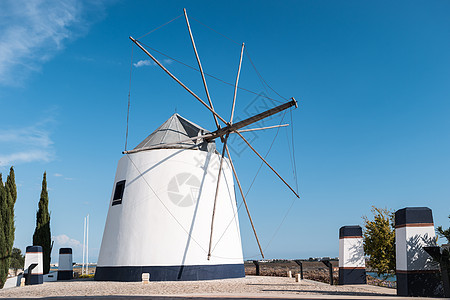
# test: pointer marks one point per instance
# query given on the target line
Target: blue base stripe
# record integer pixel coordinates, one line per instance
(170, 273)
(352, 276)
(65, 275)
(34, 279)
(419, 285)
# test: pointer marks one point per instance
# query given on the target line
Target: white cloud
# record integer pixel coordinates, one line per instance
(25, 145)
(33, 31)
(63, 240)
(57, 175)
(148, 62)
(24, 157)
(143, 63)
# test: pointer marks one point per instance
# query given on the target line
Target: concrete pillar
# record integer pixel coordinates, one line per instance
(33, 255)
(417, 274)
(65, 265)
(352, 266)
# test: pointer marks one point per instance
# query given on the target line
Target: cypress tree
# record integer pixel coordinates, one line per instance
(11, 197)
(4, 261)
(42, 235)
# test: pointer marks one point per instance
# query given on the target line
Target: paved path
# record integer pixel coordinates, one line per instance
(250, 287)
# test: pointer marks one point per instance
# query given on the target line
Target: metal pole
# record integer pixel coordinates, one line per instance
(200, 67)
(267, 164)
(245, 202)
(236, 85)
(257, 267)
(84, 245)
(87, 246)
(176, 79)
(330, 268)
(215, 197)
(299, 262)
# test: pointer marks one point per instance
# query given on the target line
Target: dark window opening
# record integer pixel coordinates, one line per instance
(118, 193)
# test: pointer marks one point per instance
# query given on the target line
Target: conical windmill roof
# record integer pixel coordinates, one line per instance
(174, 134)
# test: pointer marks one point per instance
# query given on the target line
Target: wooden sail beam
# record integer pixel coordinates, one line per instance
(262, 158)
(222, 131)
(263, 128)
(251, 120)
(236, 84)
(245, 202)
(177, 80)
(200, 67)
(215, 196)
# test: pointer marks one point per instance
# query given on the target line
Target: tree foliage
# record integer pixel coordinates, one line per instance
(379, 241)
(42, 235)
(8, 197)
(444, 233)
(17, 259)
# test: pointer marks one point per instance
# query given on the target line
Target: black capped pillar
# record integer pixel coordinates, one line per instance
(352, 266)
(65, 265)
(417, 274)
(33, 267)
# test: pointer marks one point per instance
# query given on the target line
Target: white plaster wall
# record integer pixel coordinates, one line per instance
(409, 252)
(65, 262)
(351, 252)
(149, 229)
(33, 258)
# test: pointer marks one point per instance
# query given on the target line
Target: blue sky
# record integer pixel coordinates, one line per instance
(372, 128)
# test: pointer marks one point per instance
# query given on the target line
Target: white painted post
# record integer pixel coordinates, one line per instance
(65, 264)
(352, 265)
(145, 278)
(417, 275)
(33, 256)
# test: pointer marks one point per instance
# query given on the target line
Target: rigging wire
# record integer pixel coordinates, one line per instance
(296, 185)
(240, 205)
(141, 175)
(259, 74)
(212, 76)
(129, 96)
(159, 27)
(292, 156)
(216, 31)
(282, 221)
(264, 84)
(162, 202)
(293, 152)
(268, 151)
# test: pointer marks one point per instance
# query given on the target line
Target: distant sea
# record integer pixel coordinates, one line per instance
(390, 278)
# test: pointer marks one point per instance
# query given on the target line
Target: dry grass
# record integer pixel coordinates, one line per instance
(313, 270)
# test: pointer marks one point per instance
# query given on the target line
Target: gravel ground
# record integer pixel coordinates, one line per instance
(248, 287)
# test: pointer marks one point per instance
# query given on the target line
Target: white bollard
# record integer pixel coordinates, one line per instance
(145, 278)
(65, 266)
(33, 255)
(417, 275)
(289, 274)
(297, 278)
(352, 265)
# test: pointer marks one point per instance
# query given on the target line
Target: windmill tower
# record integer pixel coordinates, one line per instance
(162, 216)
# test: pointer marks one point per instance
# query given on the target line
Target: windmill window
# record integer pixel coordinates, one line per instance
(118, 193)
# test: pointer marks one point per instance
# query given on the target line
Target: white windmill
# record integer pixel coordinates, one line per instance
(162, 216)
